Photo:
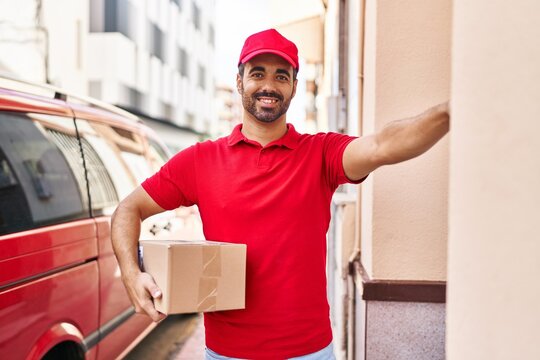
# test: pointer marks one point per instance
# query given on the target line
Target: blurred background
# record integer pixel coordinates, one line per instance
(171, 62)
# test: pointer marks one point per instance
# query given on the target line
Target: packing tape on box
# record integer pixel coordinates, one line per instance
(211, 257)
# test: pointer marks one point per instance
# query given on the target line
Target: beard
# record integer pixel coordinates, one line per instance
(265, 114)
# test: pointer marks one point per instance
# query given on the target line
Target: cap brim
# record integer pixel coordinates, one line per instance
(251, 55)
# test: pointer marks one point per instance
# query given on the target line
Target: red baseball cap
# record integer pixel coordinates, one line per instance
(269, 41)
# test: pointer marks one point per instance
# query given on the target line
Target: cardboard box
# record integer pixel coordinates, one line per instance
(196, 276)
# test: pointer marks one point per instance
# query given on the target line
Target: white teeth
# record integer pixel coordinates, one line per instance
(268, 101)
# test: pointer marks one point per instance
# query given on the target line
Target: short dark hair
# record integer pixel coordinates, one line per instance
(241, 68)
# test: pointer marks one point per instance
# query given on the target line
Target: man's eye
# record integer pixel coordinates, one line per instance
(257, 75)
(282, 77)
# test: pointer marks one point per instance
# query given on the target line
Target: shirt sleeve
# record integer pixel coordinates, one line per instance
(333, 149)
(174, 185)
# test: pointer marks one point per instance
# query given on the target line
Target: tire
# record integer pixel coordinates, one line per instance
(65, 351)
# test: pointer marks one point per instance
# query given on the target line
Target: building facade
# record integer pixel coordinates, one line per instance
(151, 57)
(386, 60)
(163, 53)
(465, 212)
(45, 41)
(493, 245)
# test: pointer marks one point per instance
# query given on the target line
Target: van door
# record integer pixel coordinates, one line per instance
(114, 157)
(48, 247)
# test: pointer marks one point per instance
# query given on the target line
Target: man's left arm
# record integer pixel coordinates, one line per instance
(398, 141)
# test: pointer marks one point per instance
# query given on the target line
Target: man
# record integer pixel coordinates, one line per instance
(269, 187)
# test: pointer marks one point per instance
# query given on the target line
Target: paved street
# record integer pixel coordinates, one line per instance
(193, 349)
(178, 337)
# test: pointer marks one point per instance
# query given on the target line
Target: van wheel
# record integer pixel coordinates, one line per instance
(65, 351)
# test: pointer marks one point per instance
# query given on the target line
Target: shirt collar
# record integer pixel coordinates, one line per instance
(289, 140)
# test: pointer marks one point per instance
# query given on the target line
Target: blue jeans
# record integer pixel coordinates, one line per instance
(325, 354)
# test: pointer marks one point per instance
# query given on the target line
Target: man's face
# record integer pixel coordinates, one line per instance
(267, 87)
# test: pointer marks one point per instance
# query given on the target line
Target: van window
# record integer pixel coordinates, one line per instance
(102, 191)
(158, 155)
(7, 178)
(37, 184)
(121, 155)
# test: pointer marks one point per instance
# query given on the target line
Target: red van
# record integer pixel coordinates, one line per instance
(65, 163)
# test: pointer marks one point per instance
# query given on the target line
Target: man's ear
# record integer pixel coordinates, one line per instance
(295, 82)
(239, 85)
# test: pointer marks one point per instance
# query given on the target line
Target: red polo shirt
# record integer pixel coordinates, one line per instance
(276, 199)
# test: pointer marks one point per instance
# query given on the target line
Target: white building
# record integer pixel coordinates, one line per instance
(152, 57)
(229, 109)
(155, 58)
(45, 41)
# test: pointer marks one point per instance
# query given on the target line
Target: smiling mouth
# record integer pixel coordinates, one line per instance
(267, 100)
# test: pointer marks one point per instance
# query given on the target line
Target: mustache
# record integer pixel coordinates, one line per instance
(268, 94)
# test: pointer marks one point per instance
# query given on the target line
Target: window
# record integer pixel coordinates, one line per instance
(38, 185)
(116, 162)
(201, 78)
(157, 42)
(135, 97)
(12, 197)
(119, 17)
(167, 111)
(196, 17)
(158, 155)
(111, 15)
(190, 119)
(211, 35)
(69, 145)
(7, 177)
(183, 64)
(102, 191)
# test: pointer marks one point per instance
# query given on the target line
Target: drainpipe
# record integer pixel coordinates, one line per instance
(45, 32)
(351, 284)
(361, 66)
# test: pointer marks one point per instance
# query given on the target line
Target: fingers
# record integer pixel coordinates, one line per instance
(142, 291)
(150, 310)
(154, 291)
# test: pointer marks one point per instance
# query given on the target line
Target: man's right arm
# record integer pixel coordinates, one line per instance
(125, 232)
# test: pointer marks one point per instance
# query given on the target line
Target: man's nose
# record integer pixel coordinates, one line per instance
(268, 85)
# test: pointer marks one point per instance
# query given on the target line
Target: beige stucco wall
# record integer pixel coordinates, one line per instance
(404, 206)
(494, 243)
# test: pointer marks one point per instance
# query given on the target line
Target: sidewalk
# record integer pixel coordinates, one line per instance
(193, 349)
